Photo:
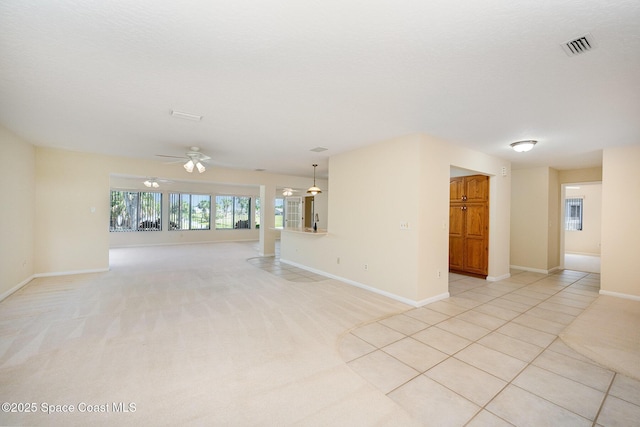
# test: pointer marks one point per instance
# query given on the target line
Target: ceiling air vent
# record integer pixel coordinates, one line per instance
(580, 45)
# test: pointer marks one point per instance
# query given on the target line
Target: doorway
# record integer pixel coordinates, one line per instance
(309, 210)
(581, 232)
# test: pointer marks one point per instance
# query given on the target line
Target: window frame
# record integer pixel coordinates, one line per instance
(571, 206)
(177, 224)
(234, 223)
(282, 215)
(156, 224)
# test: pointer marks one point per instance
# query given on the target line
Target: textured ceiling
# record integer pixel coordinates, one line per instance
(275, 79)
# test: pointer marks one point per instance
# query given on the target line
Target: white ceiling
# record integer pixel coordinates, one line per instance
(275, 79)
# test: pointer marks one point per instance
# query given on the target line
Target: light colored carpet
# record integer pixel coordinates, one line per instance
(608, 332)
(190, 334)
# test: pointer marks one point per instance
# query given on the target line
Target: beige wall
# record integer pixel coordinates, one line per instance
(377, 188)
(586, 241)
(620, 227)
(580, 175)
(530, 218)
(554, 221)
(17, 186)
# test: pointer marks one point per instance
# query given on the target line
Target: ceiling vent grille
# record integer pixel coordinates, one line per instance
(580, 45)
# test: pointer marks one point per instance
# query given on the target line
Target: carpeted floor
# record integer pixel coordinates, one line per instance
(608, 332)
(191, 335)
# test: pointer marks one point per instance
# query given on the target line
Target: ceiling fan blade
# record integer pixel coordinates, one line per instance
(172, 157)
(174, 162)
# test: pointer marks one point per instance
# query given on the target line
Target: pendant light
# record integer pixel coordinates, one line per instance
(314, 190)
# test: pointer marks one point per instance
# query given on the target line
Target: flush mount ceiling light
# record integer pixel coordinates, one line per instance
(151, 183)
(523, 146)
(314, 190)
(186, 116)
(287, 192)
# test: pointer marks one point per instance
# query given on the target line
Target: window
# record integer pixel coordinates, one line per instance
(256, 213)
(189, 211)
(573, 214)
(279, 212)
(233, 212)
(135, 211)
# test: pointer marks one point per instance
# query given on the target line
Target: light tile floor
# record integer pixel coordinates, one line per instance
(286, 271)
(490, 355)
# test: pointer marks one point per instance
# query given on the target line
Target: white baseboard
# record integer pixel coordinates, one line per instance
(498, 278)
(70, 273)
(16, 287)
(387, 294)
(583, 253)
(535, 270)
(432, 299)
(620, 295)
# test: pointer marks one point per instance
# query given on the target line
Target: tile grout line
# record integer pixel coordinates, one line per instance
(529, 363)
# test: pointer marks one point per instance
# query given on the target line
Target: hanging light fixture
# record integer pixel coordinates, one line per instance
(190, 165)
(151, 183)
(523, 146)
(314, 190)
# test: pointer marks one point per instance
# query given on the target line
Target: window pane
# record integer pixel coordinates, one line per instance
(256, 212)
(174, 212)
(241, 209)
(200, 209)
(189, 212)
(224, 212)
(279, 212)
(150, 218)
(133, 211)
(573, 214)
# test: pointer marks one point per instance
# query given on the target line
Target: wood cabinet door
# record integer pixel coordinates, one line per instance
(476, 188)
(456, 189)
(456, 237)
(469, 224)
(476, 223)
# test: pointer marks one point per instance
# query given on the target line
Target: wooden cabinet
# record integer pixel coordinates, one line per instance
(469, 225)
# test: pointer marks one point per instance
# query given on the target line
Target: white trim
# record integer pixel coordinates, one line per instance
(370, 288)
(16, 288)
(70, 273)
(498, 278)
(204, 242)
(583, 253)
(535, 270)
(620, 295)
(432, 299)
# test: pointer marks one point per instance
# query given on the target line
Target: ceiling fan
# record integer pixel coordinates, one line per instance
(194, 159)
(153, 182)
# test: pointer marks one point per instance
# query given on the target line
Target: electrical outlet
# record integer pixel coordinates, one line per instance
(438, 274)
(366, 266)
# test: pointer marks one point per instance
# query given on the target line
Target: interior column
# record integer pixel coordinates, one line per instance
(267, 245)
